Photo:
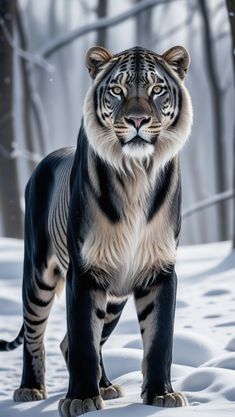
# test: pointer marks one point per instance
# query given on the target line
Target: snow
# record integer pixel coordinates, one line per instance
(204, 341)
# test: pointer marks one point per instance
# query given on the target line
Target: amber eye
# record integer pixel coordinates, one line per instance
(116, 90)
(157, 89)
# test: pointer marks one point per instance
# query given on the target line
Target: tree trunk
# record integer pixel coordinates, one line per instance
(217, 106)
(143, 27)
(102, 9)
(26, 89)
(32, 102)
(231, 15)
(9, 187)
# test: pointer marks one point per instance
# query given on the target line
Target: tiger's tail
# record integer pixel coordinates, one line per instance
(6, 346)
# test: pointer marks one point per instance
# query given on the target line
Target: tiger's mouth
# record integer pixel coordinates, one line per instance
(138, 141)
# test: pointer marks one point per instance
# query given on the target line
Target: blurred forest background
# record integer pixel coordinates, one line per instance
(43, 81)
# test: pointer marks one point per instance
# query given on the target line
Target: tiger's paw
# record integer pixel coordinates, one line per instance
(112, 392)
(172, 399)
(75, 407)
(29, 394)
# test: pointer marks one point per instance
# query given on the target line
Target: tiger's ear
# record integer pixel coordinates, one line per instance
(95, 58)
(178, 58)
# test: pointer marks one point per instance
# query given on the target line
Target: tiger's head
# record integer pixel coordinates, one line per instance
(137, 109)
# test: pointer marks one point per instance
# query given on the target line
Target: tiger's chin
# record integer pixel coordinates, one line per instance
(138, 150)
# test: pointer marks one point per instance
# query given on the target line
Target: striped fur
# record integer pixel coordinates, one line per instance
(106, 216)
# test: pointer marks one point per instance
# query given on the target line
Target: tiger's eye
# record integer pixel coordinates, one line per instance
(157, 89)
(116, 90)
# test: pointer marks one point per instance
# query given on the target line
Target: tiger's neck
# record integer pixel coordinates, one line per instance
(139, 189)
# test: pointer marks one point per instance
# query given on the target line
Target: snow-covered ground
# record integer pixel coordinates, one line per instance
(204, 342)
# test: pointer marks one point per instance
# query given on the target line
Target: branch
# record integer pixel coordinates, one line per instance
(208, 202)
(34, 59)
(175, 28)
(20, 153)
(102, 23)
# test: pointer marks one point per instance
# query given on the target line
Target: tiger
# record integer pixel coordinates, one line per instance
(104, 217)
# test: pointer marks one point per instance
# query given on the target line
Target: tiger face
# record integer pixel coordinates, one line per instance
(138, 107)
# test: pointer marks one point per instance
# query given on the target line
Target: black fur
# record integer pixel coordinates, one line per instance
(161, 189)
(157, 378)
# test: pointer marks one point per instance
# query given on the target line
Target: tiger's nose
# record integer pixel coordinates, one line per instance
(137, 122)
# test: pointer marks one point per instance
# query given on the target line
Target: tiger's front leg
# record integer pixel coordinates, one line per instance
(86, 306)
(156, 312)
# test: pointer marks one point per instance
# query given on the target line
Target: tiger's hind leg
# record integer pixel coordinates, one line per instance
(39, 288)
(40, 280)
(113, 313)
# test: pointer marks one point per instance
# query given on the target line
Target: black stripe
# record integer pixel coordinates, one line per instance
(144, 314)
(100, 314)
(115, 308)
(36, 349)
(180, 101)
(107, 74)
(58, 245)
(108, 328)
(176, 211)
(34, 339)
(37, 301)
(35, 322)
(29, 329)
(64, 211)
(61, 236)
(180, 97)
(63, 262)
(107, 199)
(29, 309)
(161, 190)
(141, 292)
(42, 286)
(59, 206)
(96, 106)
(59, 210)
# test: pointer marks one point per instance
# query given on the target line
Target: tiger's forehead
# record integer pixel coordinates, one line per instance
(138, 66)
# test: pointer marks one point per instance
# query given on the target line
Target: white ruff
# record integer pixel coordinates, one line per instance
(138, 151)
(105, 143)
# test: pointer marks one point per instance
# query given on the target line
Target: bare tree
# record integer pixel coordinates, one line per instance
(231, 15)
(102, 9)
(143, 27)
(32, 102)
(9, 188)
(217, 106)
(26, 90)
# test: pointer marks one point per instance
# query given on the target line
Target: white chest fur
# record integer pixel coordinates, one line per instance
(125, 253)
